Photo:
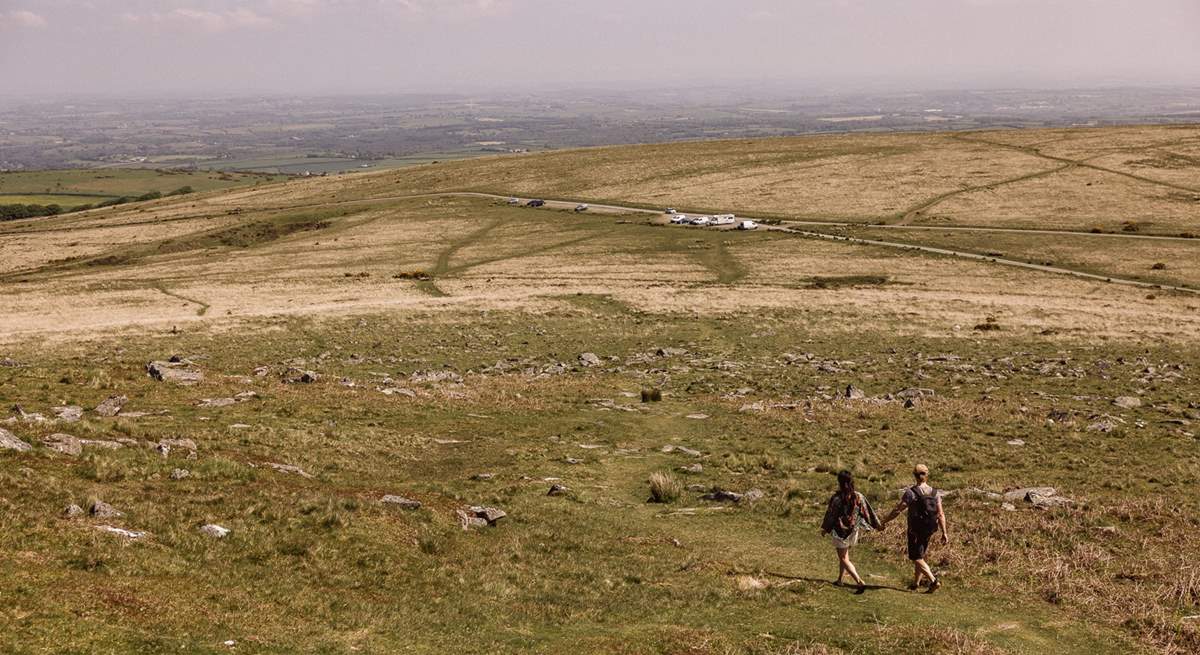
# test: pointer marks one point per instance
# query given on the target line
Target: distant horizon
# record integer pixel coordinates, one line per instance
(780, 89)
(368, 47)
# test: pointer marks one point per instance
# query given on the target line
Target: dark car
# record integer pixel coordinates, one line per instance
(535, 203)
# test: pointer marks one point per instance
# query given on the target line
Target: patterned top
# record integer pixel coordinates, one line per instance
(842, 518)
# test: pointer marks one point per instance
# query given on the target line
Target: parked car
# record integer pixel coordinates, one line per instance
(670, 210)
(514, 201)
(536, 203)
(581, 207)
(747, 225)
(701, 220)
(679, 219)
(723, 219)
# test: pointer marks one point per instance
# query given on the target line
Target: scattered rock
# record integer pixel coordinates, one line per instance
(572, 460)
(429, 377)
(121, 532)
(28, 417)
(401, 501)
(1040, 501)
(262, 371)
(589, 360)
(180, 372)
(482, 477)
(557, 490)
(106, 444)
(73, 511)
(215, 531)
(102, 510)
(288, 468)
(68, 414)
(111, 406)
(670, 448)
(1017, 495)
(1104, 425)
(725, 496)
(179, 474)
(669, 352)
(1127, 402)
(8, 362)
(1016, 442)
(165, 445)
(914, 393)
(1008, 507)
(216, 402)
(854, 393)
(751, 583)
(697, 417)
(294, 375)
(63, 443)
(692, 468)
(9, 441)
(475, 516)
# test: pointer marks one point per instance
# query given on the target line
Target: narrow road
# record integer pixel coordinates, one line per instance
(907, 246)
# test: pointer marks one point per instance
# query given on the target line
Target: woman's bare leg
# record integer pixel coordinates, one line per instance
(841, 565)
(848, 566)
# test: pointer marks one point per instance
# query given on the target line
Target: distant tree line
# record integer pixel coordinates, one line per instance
(18, 211)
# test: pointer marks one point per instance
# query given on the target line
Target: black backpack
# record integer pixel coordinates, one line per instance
(923, 512)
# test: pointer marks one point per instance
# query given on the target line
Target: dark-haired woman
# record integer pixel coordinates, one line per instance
(848, 511)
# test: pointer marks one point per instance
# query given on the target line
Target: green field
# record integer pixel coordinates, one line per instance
(64, 200)
(117, 182)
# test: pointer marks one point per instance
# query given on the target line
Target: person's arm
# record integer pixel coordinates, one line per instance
(895, 512)
(827, 522)
(942, 523)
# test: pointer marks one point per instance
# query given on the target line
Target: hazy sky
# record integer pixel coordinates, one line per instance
(386, 46)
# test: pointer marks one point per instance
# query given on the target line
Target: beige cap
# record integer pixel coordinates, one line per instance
(920, 469)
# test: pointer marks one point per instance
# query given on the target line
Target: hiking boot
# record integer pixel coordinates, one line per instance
(933, 586)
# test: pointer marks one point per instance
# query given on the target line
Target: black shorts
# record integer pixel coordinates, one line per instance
(918, 543)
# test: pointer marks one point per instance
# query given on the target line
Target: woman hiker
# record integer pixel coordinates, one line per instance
(848, 511)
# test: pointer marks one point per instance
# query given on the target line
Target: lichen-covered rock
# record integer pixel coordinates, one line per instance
(9, 441)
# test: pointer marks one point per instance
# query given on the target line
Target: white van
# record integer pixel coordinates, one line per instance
(747, 225)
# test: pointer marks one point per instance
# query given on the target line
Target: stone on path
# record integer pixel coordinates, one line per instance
(9, 441)
(401, 502)
(111, 406)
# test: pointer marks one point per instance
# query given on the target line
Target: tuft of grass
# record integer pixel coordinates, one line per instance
(664, 488)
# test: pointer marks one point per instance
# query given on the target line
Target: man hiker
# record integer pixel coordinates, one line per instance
(925, 517)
